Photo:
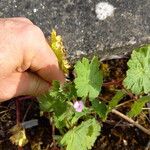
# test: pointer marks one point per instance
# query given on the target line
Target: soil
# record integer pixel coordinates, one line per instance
(116, 133)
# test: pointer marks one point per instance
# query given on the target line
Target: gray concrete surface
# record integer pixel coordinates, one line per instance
(83, 33)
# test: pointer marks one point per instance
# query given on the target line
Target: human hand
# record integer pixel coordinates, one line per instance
(27, 64)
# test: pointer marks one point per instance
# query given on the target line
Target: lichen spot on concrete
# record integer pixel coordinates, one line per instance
(34, 10)
(104, 10)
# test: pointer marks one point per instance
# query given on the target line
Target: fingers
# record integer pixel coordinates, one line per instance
(45, 64)
(44, 61)
(19, 84)
(29, 50)
(20, 19)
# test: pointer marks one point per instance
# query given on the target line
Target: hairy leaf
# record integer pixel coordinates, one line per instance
(77, 116)
(70, 91)
(138, 105)
(59, 107)
(53, 100)
(138, 74)
(57, 46)
(89, 78)
(82, 137)
(45, 102)
(56, 91)
(115, 100)
(62, 120)
(100, 108)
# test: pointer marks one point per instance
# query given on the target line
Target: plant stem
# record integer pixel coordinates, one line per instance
(27, 110)
(113, 82)
(20, 148)
(131, 121)
(18, 116)
(124, 103)
(51, 121)
(17, 111)
(128, 93)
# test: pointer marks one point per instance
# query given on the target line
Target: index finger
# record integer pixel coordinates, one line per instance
(40, 58)
(45, 64)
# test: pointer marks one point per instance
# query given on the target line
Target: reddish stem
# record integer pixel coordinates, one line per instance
(20, 148)
(18, 115)
(24, 98)
(17, 112)
(113, 82)
(18, 101)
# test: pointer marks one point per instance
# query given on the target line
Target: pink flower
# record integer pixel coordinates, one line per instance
(78, 106)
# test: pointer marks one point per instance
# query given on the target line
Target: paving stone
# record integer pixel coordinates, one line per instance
(88, 27)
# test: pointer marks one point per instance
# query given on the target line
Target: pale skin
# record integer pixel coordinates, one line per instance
(27, 63)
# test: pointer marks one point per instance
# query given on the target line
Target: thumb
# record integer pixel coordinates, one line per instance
(19, 84)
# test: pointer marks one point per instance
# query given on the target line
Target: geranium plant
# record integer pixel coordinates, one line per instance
(73, 108)
(75, 103)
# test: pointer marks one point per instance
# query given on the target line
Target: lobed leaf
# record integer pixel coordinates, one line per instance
(77, 116)
(89, 78)
(45, 102)
(62, 120)
(70, 90)
(115, 100)
(100, 108)
(53, 100)
(138, 74)
(136, 108)
(83, 136)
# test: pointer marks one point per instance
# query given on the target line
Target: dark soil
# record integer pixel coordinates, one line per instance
(116, 134)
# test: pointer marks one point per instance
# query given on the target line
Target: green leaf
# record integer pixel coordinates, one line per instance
(56, 90)
(59, 107)
(54, 100)
(77, 116)
(63, 119)
(138, 105)
(70, 91)
(100, 108)
(89, 78)
(115, 100)
(138, 74)
(49, 104)
(83, 136)
(59, 124)
(45, 103)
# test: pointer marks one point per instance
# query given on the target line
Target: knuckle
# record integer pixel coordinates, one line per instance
(37, 30)
(24, 19)
(32, 31)
(28, 31)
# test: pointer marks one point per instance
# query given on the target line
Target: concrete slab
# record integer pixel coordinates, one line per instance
(87, 26)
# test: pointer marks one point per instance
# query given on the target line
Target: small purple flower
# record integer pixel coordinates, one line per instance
(78, 106)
